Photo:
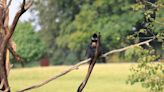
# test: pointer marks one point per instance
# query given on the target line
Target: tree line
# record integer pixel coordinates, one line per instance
(66, 27)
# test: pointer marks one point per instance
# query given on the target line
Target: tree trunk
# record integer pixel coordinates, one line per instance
(3, 72)
(5, 35)
(4, 85)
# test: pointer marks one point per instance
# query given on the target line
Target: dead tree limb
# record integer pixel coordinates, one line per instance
(128, 47)
(76, 66)
(56, 76)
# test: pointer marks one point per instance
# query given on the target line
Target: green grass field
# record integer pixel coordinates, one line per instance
(104, 78)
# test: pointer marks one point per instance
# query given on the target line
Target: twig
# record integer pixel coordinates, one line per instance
(79, 64)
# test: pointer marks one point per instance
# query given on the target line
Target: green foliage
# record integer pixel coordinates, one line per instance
(78, 20)
(102, 16)
(148, 73)
(133, 53)
(28, 43)
(69, 24)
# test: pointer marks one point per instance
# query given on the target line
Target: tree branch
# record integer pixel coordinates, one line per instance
(125, 48)
(24, 8)
(6, 35)
(13, 52)
(76, 66)
(56, 76)
(6, 10)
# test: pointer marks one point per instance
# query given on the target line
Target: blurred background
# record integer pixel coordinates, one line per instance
(57, 32)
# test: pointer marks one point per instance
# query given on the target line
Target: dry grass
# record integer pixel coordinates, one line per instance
(105, 78)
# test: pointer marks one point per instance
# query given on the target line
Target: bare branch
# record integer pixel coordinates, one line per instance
(7, 7)
(56, 76)
(23, 4)
(6, 11)
(76, 66)
(28, 5)
(13, 52)
(125, 48)
(16, 18)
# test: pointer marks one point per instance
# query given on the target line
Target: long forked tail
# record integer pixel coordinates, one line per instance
(82, 85)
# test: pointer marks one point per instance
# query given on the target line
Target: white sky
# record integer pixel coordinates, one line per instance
(14, 7)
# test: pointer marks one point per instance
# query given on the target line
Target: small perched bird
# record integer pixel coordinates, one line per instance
(93, 52)
(92, 46)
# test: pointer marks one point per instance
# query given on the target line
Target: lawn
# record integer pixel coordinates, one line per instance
(104, 78)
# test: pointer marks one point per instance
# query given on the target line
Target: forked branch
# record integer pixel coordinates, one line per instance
(24, 7)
